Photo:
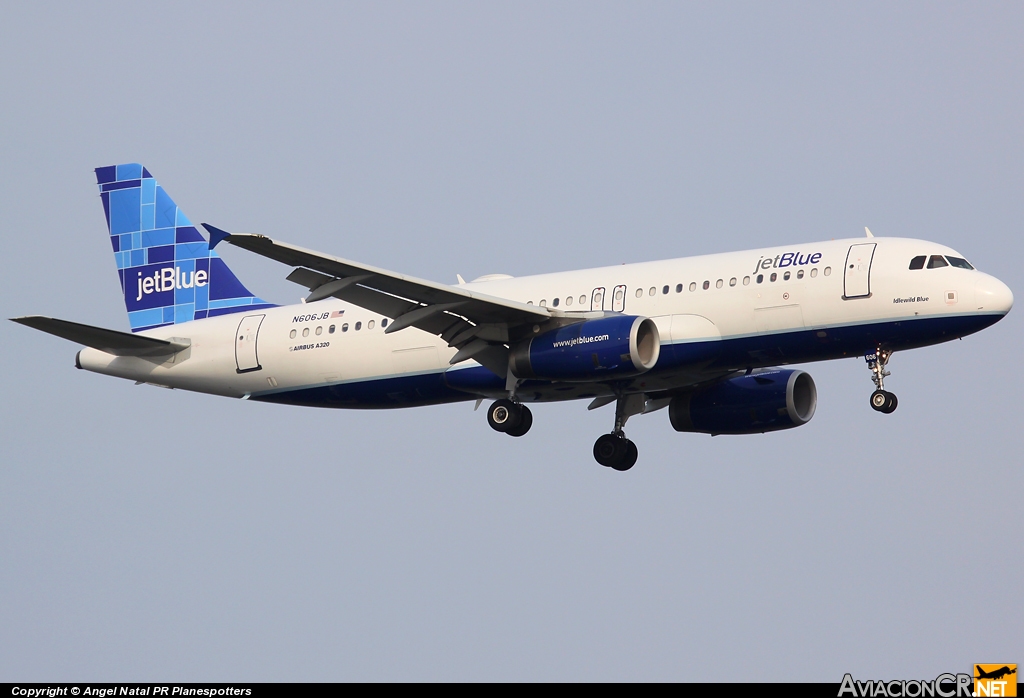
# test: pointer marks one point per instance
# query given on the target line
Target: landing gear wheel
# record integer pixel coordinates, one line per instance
(525, 422)
(879, 400)
(608, 449)
(615, 451)
(891, 405)
(883, 401)
(504, 415)
(629, 458)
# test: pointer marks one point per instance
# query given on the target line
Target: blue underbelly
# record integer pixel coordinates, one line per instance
(755, 351)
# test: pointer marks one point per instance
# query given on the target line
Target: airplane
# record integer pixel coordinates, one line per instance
(995, 674)
(705, 337)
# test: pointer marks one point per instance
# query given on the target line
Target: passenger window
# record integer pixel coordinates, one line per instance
(918, 262)
(383, 323)
(568, 300)
(319, 331)
(330, 330)
(959, 262)
(760, 278)
(773, 277)
(359, 326)
(619, 293)
(543, 303)
(554, 303)
(707, 285)
(800, 274)
(639, 292)
(828, 271)
(693, 285)
(292, 334)
(583, 300)
(719, 283)
(746, 280)
(369, 325)
(679, 288)
(305, 331)
(664, 290)
(732, 281)
(344, 327)
(937, 262)
(652, 291)
(785, 277)
(814, 272)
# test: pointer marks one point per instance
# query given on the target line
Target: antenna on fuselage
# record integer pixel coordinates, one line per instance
(868, 232)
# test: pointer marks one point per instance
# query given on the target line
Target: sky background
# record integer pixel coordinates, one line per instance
(148, 534)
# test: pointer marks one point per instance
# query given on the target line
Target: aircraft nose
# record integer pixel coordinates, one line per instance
(993, 295)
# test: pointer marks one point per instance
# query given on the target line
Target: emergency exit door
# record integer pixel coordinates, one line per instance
(857, 273)
(246, 357)
(619, 299)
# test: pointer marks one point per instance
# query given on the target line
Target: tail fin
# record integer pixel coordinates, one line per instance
(168, 272)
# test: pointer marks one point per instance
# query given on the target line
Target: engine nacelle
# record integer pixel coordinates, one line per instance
(754, 404)
(622, 345)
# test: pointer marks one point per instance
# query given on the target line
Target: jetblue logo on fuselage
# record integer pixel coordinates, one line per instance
(168, 279)
(787, 259)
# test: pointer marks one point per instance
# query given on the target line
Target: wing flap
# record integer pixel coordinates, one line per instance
(109, 341)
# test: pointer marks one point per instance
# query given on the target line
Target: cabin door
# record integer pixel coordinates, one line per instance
(245, 343)
(597, 299)
(857, 274)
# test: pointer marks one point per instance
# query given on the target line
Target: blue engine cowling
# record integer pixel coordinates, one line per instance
(621, 345)
(754, 404)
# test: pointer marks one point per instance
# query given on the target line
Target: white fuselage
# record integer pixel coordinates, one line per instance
(817, 293)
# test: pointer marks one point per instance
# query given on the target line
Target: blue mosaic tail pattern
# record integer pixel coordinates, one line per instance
(168, 273)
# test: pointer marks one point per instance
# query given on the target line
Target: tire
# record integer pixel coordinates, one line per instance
(628, 459)
(503, 415)
(525, 422)
(879, 400)
(891, 405)
(609, 449)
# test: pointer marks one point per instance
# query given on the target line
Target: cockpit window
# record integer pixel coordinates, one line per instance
(959, 262)
(937, 261)
(918, 262)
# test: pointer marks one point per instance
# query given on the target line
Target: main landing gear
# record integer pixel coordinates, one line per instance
(615, 450)
(881, 400)
(508, 417)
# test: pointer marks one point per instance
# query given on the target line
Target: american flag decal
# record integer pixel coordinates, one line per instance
(337, 313)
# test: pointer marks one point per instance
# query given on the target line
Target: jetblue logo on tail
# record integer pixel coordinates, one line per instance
(168, 279)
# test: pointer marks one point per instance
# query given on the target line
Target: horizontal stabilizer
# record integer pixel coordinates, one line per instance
(109, 341)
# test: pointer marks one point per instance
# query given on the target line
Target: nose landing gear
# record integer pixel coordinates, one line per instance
(881, 400)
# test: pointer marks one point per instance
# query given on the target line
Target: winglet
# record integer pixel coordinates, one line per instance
(866, 231)
(216, 235)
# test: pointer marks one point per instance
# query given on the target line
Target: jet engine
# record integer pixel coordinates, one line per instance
(749, 404)
(620, 346)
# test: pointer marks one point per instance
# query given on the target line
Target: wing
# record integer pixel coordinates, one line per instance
(110, 341)
(478, 325)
